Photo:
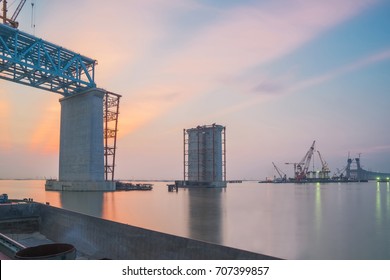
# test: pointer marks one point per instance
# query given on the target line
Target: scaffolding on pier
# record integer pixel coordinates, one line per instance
(110, 128)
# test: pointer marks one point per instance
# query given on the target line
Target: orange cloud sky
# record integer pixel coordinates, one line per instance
(5, 122)
(163, 56)
(45, 136)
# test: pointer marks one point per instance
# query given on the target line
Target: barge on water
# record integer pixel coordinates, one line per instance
(314, 181)
(127, 186)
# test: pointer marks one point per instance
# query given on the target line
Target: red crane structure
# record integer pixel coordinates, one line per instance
(301, 168)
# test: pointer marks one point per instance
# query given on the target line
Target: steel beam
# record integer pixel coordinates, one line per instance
(29, 60)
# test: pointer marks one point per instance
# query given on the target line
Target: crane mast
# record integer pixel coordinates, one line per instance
(4, 17)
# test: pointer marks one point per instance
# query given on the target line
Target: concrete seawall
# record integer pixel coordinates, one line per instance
(99, 238)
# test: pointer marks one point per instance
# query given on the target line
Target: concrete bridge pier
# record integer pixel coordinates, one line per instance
(81, 160)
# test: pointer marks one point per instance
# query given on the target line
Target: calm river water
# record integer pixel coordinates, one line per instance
(292, 221)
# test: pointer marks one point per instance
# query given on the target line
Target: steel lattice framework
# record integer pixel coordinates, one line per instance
(110, 127)
(28, 60)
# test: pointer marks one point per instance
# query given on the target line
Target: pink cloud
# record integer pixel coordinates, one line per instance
(157, 65)
(359, 64)
(128, 39)
(245, 37)
(240, 39)
(237, 40)
(287, 85)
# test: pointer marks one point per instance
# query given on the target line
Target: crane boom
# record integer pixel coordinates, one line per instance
(282, 176)
(18, 9)
(302, 167)
(309, 155)
(280, 172)
(323, 162)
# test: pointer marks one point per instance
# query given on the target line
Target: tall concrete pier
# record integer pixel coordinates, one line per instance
(84, 155)
(81, 160)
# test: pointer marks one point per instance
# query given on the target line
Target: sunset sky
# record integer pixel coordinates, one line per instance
(278, 74)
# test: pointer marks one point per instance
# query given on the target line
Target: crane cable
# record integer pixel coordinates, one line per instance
(33, 16)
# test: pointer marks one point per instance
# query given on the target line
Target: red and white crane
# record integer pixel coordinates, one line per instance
(301, 168)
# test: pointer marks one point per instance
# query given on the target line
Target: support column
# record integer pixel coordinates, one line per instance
(81, 163)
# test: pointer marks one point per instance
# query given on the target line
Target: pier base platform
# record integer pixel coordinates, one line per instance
(200, 184)
(98, 186)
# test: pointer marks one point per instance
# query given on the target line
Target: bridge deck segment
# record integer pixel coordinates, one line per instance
(29, 60)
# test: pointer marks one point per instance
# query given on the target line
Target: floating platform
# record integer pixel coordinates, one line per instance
(80, 186)
(100, 186)
(235, 181)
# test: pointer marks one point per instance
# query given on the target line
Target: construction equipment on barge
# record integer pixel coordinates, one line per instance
(302, 174)
(127, 186)
(353, 171)
(282, 176)
(301, 168)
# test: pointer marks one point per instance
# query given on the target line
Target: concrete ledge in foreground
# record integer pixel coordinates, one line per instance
(98, 238)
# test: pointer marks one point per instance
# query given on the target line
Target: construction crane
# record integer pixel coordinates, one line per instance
(339, 174)
(11, 21)
(301, 168)
(325, 169)
(303, 165)
(282, 175)
(323, 162)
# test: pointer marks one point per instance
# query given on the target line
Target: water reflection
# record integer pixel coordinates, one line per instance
(318, 208)
(378, 203)
(90, 203)
(205, 220)
(332, 221)
(382, 204)
(388, 195)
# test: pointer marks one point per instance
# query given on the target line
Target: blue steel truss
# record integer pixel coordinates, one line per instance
(28, 60)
